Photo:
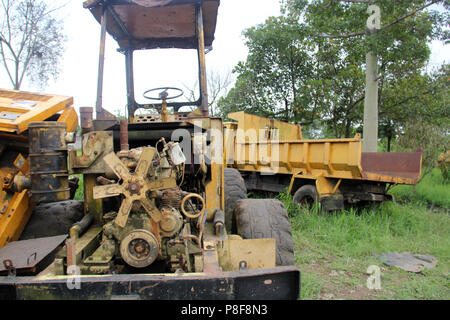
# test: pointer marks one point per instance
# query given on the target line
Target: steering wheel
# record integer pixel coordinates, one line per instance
(163, 95)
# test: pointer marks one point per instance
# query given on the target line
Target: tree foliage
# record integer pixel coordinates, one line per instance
(31, 41)
(308, 65)
(432, 139)
(218, 84)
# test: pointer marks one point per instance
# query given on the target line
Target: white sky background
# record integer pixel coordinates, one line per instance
(79, 68)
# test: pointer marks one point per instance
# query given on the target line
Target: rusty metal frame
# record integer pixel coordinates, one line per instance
(280, 283)
(132, 105)
(101, 65)
(202, 102)
(202, 63)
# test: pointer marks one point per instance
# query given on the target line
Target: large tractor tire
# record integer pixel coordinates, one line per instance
(235, 190)
(53, 219)
(266, 218)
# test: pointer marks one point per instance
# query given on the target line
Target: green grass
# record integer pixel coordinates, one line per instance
(334, 250)
(79, 195)
(432, 190)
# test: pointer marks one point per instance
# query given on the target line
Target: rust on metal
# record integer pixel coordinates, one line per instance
(391, 166)
(124, 146)
(148, 24)
(25, 255)
(86, 115)
(247, 150)
(48, 161)
(135, 186)
(204, 107)
(98, 107)
(71, 256)
(8, 264)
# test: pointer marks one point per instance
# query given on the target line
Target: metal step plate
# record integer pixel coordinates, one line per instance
(25, 256)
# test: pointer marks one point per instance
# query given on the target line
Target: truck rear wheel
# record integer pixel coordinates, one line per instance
(306, 196)
(235, 190)
(266, 218)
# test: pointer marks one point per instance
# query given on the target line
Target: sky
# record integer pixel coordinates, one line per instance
(155, 68)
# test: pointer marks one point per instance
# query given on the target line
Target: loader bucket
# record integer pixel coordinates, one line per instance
(392, 167)
(280, 283)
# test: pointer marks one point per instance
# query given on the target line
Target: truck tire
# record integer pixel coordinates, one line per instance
(235, 190)
(266, 218)
(306, 196)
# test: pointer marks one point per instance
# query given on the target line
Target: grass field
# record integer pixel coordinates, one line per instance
(334, 250)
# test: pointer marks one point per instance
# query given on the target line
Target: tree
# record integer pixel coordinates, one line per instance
(278, 78)
(424, 96)
(401, 44)
(430, 138)
(311, 61)
(218, 85)
(31, 41)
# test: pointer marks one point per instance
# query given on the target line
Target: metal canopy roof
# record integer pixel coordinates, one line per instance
(148, 24)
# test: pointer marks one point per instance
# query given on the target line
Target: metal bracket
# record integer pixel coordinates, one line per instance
(9, 115)
(10, 267)
(34, 254)
(243, 265)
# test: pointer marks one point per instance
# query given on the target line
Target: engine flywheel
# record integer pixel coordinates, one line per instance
(139, 248)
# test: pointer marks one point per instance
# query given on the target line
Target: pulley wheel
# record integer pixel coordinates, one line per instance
(193, 205)
(139, 248)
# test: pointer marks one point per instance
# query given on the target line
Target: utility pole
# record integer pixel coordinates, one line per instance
(370, 130)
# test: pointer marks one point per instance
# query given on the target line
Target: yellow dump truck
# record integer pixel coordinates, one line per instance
(17, 110)
(272, 156)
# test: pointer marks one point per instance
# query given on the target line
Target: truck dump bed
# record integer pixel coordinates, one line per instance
(256, 144)
(393, 167)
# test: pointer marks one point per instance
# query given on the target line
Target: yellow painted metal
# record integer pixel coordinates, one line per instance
(13, 221)
(336, 158)
(87, 244)
(15, 207)
(90, 203)
(164, 112)
(134, 187)
(95, 146)
(214, 196)
(19, 108)
(22, 164)
(256, 144)
(271, 129)
(326, 187)
(234, 251)
(70, 117)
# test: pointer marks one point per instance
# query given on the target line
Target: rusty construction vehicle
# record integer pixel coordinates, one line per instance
(153, 222)
(273, 157)
(18, 110)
